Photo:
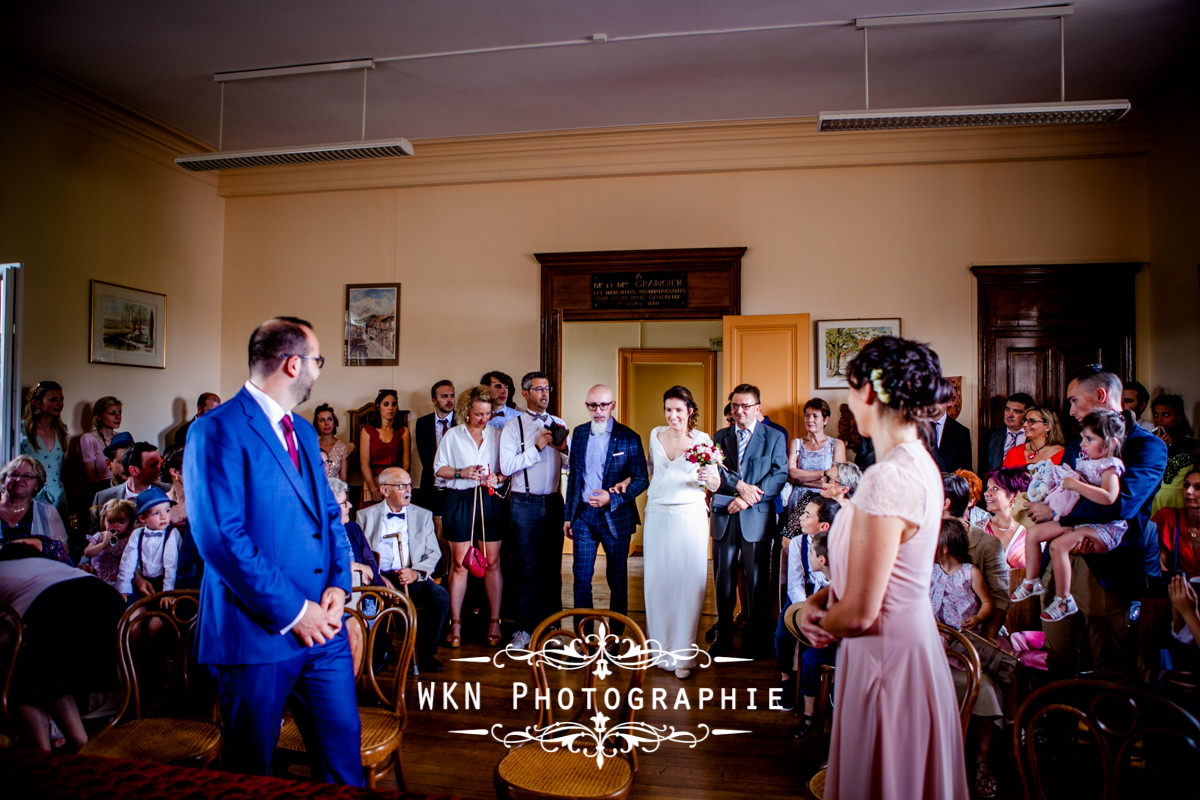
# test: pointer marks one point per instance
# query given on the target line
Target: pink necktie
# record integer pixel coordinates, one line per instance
(288, 437)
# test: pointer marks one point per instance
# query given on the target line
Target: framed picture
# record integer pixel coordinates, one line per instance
(839, 340)
(128, 326)
(372, 325)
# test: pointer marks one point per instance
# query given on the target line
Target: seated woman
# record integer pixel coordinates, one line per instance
(337, 453)
(25, 518)
(1043, 440)
(1003, 486)
(44, 436)
(381, 445)
(1179, 547)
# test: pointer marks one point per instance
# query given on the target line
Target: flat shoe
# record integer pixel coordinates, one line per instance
(683, 674)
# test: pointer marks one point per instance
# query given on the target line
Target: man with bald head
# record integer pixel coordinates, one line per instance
(608, 472)
(276, 564)
(1105, 584)
(404, 537)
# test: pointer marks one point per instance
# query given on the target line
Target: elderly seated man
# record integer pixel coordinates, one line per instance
(403, 536)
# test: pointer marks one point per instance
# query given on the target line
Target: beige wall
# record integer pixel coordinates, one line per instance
(91, 195)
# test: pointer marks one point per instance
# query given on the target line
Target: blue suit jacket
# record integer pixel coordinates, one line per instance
(765, 467)
(625, 459)
(1125, 568)
(271, 537)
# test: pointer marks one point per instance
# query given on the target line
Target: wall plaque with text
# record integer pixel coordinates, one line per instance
(639, 290)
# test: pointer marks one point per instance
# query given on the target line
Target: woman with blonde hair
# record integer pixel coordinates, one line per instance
(44, 436)
(1043, 440)
(468, 460)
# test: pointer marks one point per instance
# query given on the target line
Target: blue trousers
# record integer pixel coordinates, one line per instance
(318, 685)
(589, 531)
(535, 543)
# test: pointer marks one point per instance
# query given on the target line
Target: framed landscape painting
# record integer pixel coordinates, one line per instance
(839, 340)
(128, 326)
(372, 325)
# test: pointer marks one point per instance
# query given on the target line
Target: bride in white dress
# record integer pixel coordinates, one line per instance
(675, 533)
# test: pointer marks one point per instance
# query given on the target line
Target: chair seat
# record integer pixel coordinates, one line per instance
(380, 730)
(160, 739)
(564, 774)
(816, 785)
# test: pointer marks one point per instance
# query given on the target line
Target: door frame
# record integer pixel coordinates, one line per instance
(628, 356)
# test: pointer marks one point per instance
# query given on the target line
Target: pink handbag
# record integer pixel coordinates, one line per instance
(476, 559)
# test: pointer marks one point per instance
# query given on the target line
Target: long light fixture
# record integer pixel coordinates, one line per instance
(1060, 113)
(304, 154)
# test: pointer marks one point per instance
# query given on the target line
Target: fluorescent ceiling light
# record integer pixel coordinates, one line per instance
(1070, 113)
(1035, 12)
(308, 154)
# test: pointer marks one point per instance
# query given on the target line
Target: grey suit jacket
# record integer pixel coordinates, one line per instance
(422, 538)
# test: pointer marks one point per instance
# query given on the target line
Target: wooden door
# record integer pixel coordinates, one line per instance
(772, 352)
(1039, 324)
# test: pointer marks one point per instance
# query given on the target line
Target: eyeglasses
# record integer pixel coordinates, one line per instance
(744, 406)
(541, 389)
(599, 406)
(24, 475)
(826, 479)
(1034, 421)
(319, 359)
(398, 485)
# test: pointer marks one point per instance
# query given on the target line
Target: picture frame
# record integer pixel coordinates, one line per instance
(372, 333)
(839, 340)
(127, 326)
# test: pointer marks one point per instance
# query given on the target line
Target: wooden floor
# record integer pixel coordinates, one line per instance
(764, 763)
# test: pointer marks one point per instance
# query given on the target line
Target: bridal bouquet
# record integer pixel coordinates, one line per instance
(704, 455)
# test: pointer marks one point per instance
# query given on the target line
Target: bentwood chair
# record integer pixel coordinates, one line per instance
(1089, 738)
(11, 633)
(583, 658)
(378, 611)
(168, 708)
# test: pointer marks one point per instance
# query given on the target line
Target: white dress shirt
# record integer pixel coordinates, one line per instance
(160, 557)
(395, 553)
(520, 458)
(458, 450)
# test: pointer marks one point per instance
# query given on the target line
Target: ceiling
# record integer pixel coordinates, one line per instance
(158, 58)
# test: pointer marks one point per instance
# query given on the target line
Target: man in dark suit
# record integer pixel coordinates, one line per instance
(953, 440)
(745, 486)
(600, 506)
(206, 402)
(1105, 584)
(429, 431)
(1011, 435)
(277, 569)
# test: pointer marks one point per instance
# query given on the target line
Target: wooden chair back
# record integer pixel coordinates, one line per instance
(1089, 738)
(156, 640)
(380, 611)
(966, 657)
(11, 633)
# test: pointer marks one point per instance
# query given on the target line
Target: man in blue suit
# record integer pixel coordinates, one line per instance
(604, 453)
(744, 487)
(276, 564)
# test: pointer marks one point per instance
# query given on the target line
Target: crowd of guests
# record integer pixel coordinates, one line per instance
(1124, 513)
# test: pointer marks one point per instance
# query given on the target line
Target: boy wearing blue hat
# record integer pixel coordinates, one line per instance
(150, 560)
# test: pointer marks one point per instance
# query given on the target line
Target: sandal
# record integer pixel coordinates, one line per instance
(985, 782)
(454, 640)
(1060, 607)
(493, 639)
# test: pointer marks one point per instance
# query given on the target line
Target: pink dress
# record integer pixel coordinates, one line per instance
(896, 729)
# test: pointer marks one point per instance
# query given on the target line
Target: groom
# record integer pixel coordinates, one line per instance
(744, 487)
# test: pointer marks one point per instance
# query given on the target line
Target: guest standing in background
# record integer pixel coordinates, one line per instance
(1043, 440)
(429, 430)
(206, 402)
(812, 454)
(337, 453)
(1011, 435)
(44, 436)
(95, 474)
(1135, 398)
(504, 406)
(381, 445)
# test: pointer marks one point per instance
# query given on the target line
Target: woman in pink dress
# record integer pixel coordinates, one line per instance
(896, 729)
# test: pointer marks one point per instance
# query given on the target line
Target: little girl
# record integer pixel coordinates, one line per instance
(1099, 464)
(957, 592)
(106, 546)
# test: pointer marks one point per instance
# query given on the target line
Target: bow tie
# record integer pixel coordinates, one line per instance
(396, 514)
(153, 534)
(539, 417)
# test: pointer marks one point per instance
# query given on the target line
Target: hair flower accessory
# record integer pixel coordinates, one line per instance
(877, 385)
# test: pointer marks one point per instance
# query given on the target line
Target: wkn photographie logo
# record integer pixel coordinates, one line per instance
(595, 677)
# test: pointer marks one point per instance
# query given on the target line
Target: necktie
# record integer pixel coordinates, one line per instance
(743, 437)
(1011, 441)
(445, 423)
(288, 437)
(937, 434)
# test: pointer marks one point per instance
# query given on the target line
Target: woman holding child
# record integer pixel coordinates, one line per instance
(896, 729)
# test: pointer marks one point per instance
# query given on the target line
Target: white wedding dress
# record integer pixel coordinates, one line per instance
(675, 551)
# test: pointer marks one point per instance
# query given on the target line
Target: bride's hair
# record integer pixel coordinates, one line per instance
(682, 394)
(905, 375)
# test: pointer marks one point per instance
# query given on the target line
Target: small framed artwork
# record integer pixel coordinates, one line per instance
(839, 340)
(128, 326)
(372, 325)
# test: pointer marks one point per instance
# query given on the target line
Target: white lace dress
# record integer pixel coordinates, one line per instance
(675, 550)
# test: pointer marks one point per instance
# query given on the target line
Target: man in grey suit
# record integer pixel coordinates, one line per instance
(403, 536)
(745, 487)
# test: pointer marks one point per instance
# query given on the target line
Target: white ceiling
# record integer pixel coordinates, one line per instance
(158, 57)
